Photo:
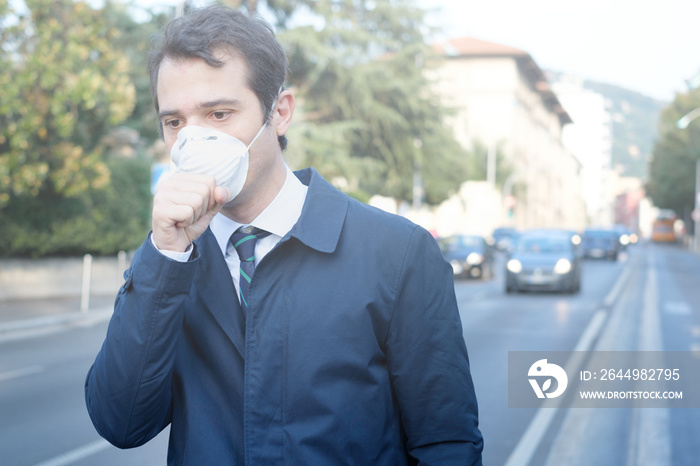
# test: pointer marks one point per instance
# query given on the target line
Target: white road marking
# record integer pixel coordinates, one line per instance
(649, 443)
(617, 289)
(78, 454)
(20, 373)
(530, 441)
(678, 308)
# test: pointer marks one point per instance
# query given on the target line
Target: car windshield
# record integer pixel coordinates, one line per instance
(599, 234)
(503, 232)
(543, 245)
(457, 243)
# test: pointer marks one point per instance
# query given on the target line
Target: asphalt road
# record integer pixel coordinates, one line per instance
(648, 300)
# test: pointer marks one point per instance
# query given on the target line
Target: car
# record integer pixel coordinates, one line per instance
(470, 256)
(574, 236)
(600, 243)
(542, 261)
(626, 236)
(503, 237)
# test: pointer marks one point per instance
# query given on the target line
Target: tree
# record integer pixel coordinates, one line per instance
(366, 116)
(102, 221)
(671, 182)
(134, 41)
(63, 84)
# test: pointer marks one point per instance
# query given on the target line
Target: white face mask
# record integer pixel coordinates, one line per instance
(207, 151)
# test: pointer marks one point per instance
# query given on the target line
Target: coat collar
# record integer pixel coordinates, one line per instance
(323, 214)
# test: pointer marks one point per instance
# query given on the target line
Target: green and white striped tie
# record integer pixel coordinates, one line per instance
(243, 241)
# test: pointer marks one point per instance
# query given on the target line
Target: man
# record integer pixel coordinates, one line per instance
(344, 347)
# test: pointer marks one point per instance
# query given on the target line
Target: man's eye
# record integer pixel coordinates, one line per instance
(173, 123)
(219, 115)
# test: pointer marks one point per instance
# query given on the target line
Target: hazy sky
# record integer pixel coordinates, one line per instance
(650, 46)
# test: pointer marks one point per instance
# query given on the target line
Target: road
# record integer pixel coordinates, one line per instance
(648, 300)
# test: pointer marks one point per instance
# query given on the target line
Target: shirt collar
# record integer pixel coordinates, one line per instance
(278, 218)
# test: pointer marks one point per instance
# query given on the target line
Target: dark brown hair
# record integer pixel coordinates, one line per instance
(201, 33)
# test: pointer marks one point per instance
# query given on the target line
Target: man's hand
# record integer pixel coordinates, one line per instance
(183, 207)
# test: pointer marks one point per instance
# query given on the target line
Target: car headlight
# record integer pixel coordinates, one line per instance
(475, 258)
(563, 266)
(514, 266)
(575, 240)
(624, 240)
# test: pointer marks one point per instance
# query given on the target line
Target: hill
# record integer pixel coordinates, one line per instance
(635, 119)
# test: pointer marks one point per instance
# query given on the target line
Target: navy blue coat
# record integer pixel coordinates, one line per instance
(352, 352)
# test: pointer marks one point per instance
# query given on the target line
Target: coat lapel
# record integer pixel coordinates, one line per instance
(216, 290)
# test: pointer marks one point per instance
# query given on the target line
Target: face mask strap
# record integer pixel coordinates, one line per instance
(265, 124)
(256, 136)
(274, 102)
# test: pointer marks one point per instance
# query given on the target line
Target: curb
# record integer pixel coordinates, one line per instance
(66, 318)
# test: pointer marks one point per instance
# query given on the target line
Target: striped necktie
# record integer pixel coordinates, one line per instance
(243, 241)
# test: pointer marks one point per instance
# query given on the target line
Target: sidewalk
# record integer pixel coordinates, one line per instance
(33, 313)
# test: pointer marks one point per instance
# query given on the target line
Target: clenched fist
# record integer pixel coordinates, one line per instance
(183, 207)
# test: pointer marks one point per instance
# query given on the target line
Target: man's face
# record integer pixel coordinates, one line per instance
(190, 92)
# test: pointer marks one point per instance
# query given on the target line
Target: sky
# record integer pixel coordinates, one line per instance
(648, 46)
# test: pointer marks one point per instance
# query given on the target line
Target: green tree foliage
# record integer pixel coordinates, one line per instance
(134, 41)
(366, 116)
(64, 86)
(100, 222)
(671, 182)
(69, 74)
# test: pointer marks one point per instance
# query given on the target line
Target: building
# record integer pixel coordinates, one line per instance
(628, 202)
(501, 98)
(589, 138)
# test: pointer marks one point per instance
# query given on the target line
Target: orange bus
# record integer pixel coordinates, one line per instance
(663, 229)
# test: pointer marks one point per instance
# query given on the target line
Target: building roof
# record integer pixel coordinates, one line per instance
(470, 47)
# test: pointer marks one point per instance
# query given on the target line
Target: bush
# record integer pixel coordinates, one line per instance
(99, 222)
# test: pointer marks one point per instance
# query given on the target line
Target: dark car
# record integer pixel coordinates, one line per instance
(503, 237)
(470, 255)
(600, 243)
(543, 262)
(625, 236)
(573, 235)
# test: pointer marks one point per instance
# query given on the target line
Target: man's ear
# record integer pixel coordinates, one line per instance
(283, 113)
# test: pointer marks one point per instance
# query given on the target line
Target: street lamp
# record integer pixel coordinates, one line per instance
(683, 123)
(685, 120)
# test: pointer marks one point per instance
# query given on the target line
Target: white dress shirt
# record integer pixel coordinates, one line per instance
(278, 218)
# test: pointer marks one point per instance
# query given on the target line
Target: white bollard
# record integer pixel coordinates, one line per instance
(121, 267)
(85, 292)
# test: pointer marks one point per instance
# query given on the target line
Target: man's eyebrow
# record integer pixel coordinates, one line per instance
(201, 105)
(165, 113)
(218, 102)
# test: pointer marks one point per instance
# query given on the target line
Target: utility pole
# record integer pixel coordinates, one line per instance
(683, 123)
